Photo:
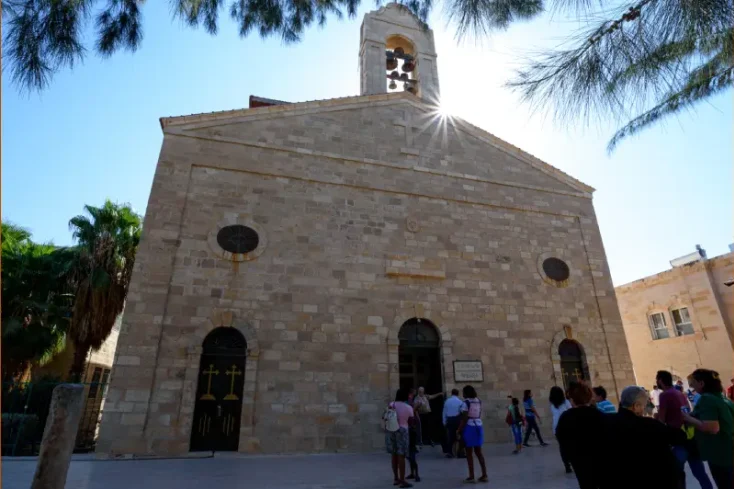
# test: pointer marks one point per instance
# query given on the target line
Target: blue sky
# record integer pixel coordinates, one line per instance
(94, 134)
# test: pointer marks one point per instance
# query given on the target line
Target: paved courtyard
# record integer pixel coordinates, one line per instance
(536, 467)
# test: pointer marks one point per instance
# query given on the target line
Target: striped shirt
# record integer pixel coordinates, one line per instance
(606, 407)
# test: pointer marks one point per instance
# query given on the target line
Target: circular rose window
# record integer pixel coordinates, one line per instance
(556, 269)
(238, 239)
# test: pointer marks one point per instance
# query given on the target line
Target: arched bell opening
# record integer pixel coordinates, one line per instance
(400, 65)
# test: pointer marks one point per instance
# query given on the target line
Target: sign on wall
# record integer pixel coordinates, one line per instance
(468, 371)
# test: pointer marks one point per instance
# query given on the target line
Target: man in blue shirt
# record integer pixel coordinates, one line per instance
(600, 397)
(451, 418)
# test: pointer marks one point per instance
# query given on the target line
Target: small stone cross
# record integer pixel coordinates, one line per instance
(407, 124)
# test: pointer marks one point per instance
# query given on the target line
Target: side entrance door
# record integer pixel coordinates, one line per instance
(218, 407)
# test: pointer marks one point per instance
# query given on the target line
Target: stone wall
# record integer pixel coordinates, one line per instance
(700, 288)
(338, 272)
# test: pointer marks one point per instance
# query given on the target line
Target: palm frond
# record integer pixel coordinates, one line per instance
(12, 234)
(57, 345)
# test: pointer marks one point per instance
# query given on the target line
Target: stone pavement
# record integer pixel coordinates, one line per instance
(535, 467)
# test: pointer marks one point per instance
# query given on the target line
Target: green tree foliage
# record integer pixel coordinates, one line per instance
(107, 239)
(50, 293)
(36, 300)
(653, 60)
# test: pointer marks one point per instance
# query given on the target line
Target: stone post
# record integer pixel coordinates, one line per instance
(59, 437)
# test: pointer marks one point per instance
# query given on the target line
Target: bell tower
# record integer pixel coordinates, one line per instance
(397, 53)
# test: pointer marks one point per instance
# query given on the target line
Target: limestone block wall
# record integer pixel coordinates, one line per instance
(698, 287)
(340, 272)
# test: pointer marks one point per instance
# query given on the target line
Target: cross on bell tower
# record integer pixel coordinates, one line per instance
(397, 53)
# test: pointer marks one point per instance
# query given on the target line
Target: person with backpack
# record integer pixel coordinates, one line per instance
(516, 421)
(471, 432)
(396, 419)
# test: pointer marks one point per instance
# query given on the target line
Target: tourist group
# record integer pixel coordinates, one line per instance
(644, 443)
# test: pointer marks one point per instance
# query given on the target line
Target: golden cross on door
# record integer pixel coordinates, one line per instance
(208, 396)
(234, 372)
(578, 374)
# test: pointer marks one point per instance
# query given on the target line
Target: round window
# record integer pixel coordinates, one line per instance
(556, 269)
(238, 239)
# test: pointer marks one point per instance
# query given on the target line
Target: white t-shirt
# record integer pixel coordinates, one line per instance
(656, 397)
(557, 411)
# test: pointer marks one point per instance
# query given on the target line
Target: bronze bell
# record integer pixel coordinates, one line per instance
(391, 64)
(404, 77)
(412, 89)
(393, 85)
(408, 66)
(399, 51)
(394, 75)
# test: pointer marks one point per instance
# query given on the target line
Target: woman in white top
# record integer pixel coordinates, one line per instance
(558, 405)
(471, 432)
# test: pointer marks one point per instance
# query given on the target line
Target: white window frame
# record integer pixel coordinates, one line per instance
(655, 330)
(682, 328)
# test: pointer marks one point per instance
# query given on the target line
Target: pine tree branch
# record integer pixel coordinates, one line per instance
(119, 27)
(618, 67)
(480, 17)
(701, 86)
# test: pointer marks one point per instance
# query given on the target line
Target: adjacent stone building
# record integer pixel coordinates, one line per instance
(300, 262)
(95, 379)
(681, 319)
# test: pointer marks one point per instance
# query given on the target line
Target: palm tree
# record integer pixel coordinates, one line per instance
(36, 300)
(107, 238)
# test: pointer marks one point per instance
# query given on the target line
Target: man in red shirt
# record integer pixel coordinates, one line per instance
(671, 401)
(730, 391)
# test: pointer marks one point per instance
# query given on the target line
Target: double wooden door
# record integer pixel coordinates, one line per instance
(420, 367)
(218, 407)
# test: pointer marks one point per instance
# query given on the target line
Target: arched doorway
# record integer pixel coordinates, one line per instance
(218, 405)
(419, 355)
(573, 362)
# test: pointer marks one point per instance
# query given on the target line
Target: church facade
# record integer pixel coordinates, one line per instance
(302, 261)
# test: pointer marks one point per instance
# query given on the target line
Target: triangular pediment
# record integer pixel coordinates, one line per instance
(395, 129)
